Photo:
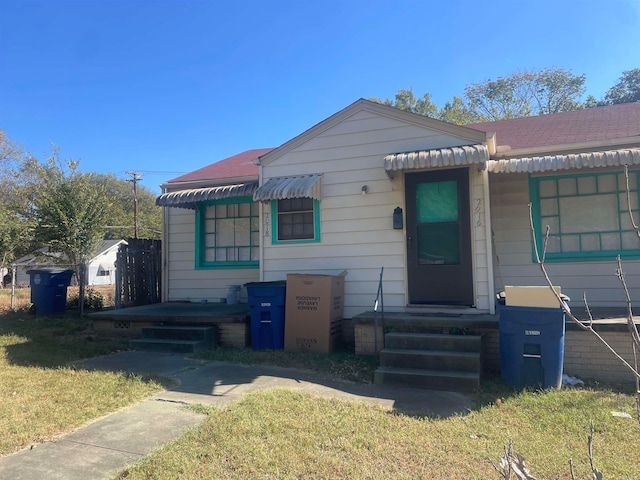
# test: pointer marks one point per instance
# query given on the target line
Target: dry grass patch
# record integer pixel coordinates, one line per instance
(41, 396)
(285, 434)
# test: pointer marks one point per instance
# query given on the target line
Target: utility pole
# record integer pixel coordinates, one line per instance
(135, 177)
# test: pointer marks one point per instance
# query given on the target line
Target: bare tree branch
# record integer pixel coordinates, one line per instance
(564, 306)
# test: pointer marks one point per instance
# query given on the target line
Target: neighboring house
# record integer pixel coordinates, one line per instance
(324, 202)
(41, 258)
(100, 268)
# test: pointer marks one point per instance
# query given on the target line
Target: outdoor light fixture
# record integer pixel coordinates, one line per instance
(365, 189)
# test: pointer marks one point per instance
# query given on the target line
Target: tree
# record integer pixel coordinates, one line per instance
(405, 100)
(520, 94)
(457, 112)
(626, 90)
(120, 218)
(500, 99)
(14, 228)
(69, 209)
(526, 93)
(556, 90)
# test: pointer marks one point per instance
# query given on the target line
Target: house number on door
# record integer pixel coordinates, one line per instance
(478, 211)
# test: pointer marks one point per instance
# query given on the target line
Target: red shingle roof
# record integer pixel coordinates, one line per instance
(237, 166)
(587, 125)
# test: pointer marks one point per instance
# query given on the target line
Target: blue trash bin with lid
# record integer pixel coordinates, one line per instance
(531, 346)
(49, 290)
(267, 303)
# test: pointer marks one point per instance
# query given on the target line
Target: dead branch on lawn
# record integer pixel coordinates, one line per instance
(567, 311)
(512, 463)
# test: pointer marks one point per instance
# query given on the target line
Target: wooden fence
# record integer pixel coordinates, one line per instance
(138, 273)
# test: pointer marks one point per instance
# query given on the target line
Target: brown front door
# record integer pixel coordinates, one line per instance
(439, 237)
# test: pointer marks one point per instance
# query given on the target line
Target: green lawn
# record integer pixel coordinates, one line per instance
(281, 434)
(41, 395)
(285, 434)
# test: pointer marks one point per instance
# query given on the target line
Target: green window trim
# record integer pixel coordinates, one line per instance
(274, 226)
(583, 241)
(201, 248)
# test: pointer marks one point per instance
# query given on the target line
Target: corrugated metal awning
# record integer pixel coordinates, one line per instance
(279, 188)
(440, 157)
(552, 163)
(190, 198)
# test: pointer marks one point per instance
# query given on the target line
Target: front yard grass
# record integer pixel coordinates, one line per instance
(282, 434)
(41, 395)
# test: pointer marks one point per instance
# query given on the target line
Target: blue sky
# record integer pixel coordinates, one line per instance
(166, 87)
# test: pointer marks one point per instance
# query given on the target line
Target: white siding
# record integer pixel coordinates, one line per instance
(356, 230)
(105, 262)
(510, 213)
(185, 282)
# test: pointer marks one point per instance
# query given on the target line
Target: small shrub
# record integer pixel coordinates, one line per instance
(93, 299)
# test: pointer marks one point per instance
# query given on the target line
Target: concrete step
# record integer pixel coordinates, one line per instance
(429, 379)
(431, 360)
(433, 341)
(180, 332)
(169, 345)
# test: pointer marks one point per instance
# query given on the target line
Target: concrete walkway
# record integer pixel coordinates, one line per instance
(102, 448)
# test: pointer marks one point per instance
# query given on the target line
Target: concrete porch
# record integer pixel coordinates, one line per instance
(584, 355)
(231, 321)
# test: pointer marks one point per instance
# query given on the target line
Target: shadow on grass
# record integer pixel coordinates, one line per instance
(56, 342)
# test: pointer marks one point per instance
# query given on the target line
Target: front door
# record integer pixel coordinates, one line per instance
(439, 237)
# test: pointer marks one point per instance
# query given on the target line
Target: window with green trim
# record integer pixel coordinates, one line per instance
(587, 215)
(296, 220)
(228, 234)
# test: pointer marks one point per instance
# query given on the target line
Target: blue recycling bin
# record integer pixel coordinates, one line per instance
(531, 346)
(267, 302)
(49, 290)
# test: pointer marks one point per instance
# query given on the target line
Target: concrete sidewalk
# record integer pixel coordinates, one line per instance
(102, 448)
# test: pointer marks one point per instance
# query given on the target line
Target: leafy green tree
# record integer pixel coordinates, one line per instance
(120, 218)
(406, 100)
(457, 112)
(500, 99)
(627, 89)
(520, 94)
(69, 208)
(555, 90)
(15, 229)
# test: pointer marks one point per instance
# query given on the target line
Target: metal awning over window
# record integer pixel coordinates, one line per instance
(440, 157)
(190, 198)
(279, 188)
(552, 163)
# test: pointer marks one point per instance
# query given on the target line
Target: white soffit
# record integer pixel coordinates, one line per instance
(552, 163)
(436, 158)
(189, 198)
(279, 188)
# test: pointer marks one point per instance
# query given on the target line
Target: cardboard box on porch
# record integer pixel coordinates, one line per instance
(313, 312)
(531, 296)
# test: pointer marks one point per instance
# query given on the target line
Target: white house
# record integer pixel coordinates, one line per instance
(443, 208)
(100, 268)
(324, 202)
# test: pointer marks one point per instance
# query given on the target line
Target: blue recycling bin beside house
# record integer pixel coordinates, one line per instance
(267, 303)
(49, 290)
(531, 346)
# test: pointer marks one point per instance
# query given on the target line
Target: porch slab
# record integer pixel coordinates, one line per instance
(178, 312)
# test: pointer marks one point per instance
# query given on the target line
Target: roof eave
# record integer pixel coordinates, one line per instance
(214, 182)
(502, 153)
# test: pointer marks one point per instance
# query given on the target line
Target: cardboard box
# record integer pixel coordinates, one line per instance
(313, 312)
(531, 297)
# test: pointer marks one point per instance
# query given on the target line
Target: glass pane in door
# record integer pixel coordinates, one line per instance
(437, 223)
